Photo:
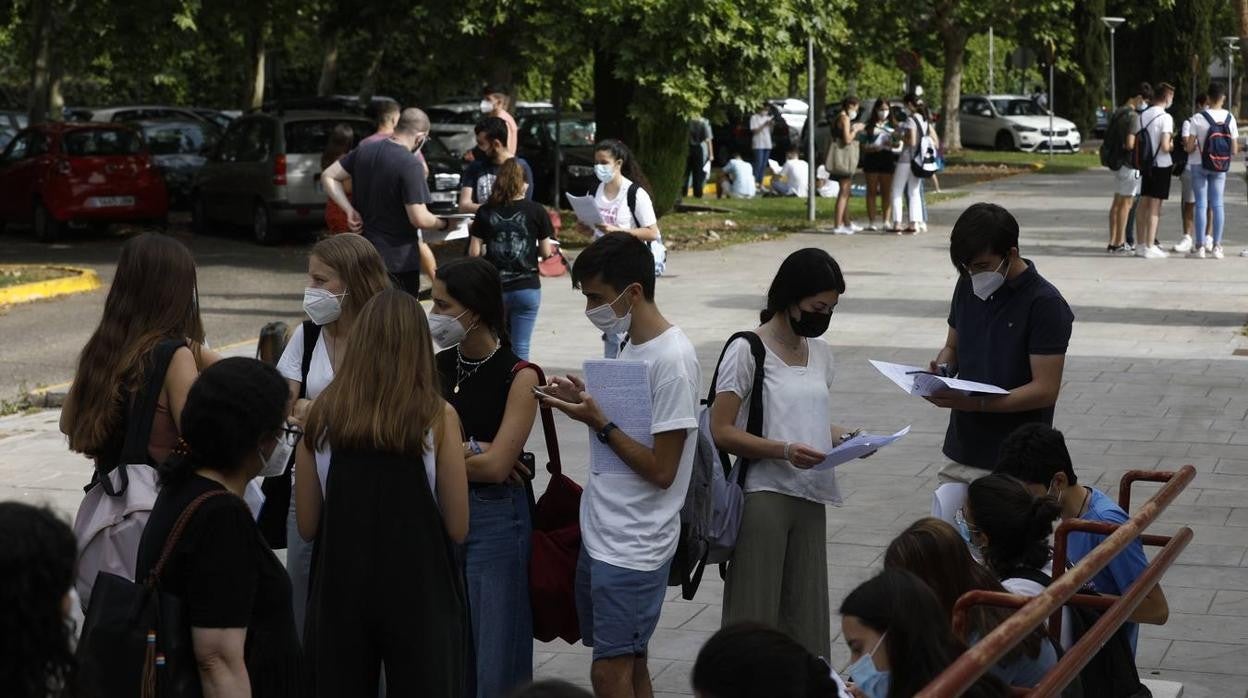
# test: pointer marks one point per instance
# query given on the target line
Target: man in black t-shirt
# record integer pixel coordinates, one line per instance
(478, 178)
(390, 197)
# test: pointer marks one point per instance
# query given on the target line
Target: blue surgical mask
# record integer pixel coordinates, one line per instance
(866, 677)
(605, 173)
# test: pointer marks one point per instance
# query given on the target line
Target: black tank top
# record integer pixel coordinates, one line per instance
(482, 397)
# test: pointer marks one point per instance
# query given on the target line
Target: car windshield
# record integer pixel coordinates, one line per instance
(97, 142)
(310, 137)
(435, 149)
(175, 139)
(1018, 107)
(573, 132)
(451, 116)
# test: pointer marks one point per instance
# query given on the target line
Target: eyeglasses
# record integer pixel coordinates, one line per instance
(960, 517)
(291, 434)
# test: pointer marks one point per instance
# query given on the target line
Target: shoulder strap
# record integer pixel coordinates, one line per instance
(754, 420)
(153, 578)
(141, 413)
(554, 467)
(1209, 118)
(311, 332)
(632, 202)
(1031, 575)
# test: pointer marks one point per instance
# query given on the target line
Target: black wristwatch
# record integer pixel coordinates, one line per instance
(605, 434)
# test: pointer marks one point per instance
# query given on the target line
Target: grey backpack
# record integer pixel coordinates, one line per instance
(711, 516)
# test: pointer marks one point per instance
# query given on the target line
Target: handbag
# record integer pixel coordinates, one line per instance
(136, 639)
(842, 159)
(556, 546)
(554, 265)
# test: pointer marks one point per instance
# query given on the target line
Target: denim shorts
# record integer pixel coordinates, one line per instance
(618, 608)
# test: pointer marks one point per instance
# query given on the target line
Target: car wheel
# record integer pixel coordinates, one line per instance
(262, 229)
(1005, 141)
(47, 228)
(199, 217)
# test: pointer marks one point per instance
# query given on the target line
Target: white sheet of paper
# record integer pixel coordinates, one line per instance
(917, 381)
(842, 691)
(622, 391)
(858, 447)
(585, 209)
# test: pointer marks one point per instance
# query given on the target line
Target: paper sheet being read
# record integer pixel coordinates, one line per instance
(585, 208)
(858, 447)
(622, 391)
(918, 381)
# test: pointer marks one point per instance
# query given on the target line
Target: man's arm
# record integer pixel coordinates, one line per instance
(466, 204)
(332, 180)
(420, 217)
(1041, 392)
(428, 263)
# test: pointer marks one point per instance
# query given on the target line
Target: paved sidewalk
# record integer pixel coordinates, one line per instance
(1150, 383)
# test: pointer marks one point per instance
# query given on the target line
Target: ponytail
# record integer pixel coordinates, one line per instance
(629, 166)
(1016, 522)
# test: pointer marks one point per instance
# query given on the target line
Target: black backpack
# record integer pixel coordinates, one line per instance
(1144, 153)
(1111, 673)
(1113, 151)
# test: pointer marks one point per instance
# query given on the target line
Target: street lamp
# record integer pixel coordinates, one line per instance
(1113, 24)
(1230, 71)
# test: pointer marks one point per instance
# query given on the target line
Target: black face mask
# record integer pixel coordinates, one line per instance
(810, 324)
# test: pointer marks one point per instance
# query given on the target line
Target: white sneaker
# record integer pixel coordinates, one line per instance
(1198, 253)
(842, 230)
(872, 225)
(1153, 252)
(855, 227)
(1184, 245)
(1217, 252)
(1209, 244)
(1243, 253)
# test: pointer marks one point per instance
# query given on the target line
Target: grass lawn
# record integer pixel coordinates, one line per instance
(12, 276)
(1060, 163)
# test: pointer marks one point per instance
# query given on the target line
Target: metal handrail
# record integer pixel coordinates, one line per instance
(975, 662)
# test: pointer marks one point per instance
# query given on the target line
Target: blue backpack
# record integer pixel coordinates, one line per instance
(1215, 154)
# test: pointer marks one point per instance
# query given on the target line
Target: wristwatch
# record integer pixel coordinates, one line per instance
(605, 434)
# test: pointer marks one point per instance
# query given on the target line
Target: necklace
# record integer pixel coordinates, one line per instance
(465, 369)
(795, 347)
(1086, 494)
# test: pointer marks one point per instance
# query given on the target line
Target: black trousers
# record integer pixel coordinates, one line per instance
(693, 168)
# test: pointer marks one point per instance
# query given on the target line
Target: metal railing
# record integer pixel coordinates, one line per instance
(1033, 611)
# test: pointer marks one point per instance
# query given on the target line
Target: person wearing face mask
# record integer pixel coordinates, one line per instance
(234, 592)
(491, 388)
(779, 570)
(624, 204)
(344, 273)
(878, 163)
(1008, 327)
(900, 639)
(494, 102)
(390, 198)
(842, 162)
(479, 177)
(630, 518)
(748, 660)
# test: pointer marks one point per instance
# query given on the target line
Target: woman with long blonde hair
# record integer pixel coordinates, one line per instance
(385, 444)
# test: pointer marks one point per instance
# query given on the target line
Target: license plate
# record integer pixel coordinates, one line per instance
(443, 196)
(109, 201)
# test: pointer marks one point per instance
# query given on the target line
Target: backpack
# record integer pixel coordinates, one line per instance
(1113, 149)
(711, 517)
(1144, 153)
(119, 499)
(656, 246)
(1215, 154)
(1111, 673)
(1178, 157)
(924, 160)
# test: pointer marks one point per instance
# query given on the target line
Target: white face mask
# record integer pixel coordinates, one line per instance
(275, 463)
(605, 173)
(986, 283)
(322, 306)
(852, 114)
(486, 106)
(447, 331)
(605, 319)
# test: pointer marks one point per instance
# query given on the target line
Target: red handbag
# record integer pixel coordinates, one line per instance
(556, 546)
(554, 265)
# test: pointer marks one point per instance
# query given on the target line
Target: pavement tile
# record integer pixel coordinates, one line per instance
(1206, 656)
(1229, 603)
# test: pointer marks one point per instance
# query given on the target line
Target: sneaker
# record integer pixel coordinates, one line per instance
(1243, 253)
(1124, 251)
(1184, 245)
(842, 230)
(1198, 253)
(855, 227)
(1112, 249)
(920, 227)
(872, 226)
(1129, 247)
(1209, 244)
(1152, 252)
(1217, 252)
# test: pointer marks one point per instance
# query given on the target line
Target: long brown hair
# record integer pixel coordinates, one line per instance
(360, 267)
(153, 297)
(385, 396)
(508, 185)
(933, 550)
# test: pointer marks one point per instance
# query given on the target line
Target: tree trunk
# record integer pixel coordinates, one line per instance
(56, 77)
(253, 91)
(329, 63)
(612, 98)
(955, 53)
(41, 59)
(1241, 14)
(368, 86)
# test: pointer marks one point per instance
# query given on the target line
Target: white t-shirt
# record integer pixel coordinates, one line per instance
(320, 371)
(1158, 122)
(796, 174)
(625, 520)
(1199, 127)
(907, 152)
(742, 173)
(1026, 587)
(616, 212)
(796, 408)
(760, 140)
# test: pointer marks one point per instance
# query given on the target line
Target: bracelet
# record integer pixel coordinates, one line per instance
(787, 448)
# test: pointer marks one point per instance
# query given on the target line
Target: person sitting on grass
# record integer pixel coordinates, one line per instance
(794, 178)
(736, 180)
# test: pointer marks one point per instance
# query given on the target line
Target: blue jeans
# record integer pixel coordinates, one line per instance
(521, 306)
(618, 608)
(760, 164)
(497, 560)
(1209, 187)
(298, 566)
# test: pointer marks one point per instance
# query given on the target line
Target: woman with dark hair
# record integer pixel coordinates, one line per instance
(491, 389)
(748, 660)
(934, 552)
(341, 141)
(512, 232)
(878, 163)
(905, 184)
(233, 588)
(843, 160)
(900, 639)
(37, 555)
(386, 588)
(779, 571)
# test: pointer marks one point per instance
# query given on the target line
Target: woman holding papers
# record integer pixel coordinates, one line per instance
(878, 162)
(779, 574)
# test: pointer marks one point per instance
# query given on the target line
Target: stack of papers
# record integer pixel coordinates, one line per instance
(585, 209)
(921, 382)
(622, 391)
(857, 447)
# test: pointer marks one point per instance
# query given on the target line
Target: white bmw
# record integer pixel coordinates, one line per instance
(1013, 122)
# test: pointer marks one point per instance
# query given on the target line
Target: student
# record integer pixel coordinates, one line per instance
(479, 378)
(761, 123)
(1155, 181)
(630, 521)
(878, 163)
(340, 142)
(234, 592)
(905, 184)
(701, 151)
(1209, 185)
(344, 273)
(736, 180)
(1122, 127)
(1008, 327)
(900, 639)
(845, 130)
(1036, 454)
(479, 177)
(748, 660)
(37, 556)
(494, 102)
(512, 232)
(387, 448)
(387, 119)
(1185, 177)
(778, 573)
(934, 552)
(794, 179)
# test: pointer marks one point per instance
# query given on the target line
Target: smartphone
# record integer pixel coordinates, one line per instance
(538, 392)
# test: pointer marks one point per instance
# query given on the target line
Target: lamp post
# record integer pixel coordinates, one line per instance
(1113, 23)
(1230, 71)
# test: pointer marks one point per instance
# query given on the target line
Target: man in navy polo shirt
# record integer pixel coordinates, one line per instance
(1009, 327)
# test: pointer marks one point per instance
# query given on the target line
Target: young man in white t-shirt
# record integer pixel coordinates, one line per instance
(794, 179)
(1208, 185)
(1185, 178)
(630, 521)
(761, 123)
(736, 180)
(1155, 182)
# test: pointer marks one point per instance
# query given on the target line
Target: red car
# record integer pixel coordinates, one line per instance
(55, 174)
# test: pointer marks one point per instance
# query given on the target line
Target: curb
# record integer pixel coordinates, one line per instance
(81, 281)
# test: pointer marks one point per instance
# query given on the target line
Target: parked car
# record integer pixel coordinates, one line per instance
(139, 113)
(10, 123)
(179, 149)
(265, 172)
(1102, 122)
(222, 118)
(1013, 122)
(577, 136)
(444, 172)
(57, 174)
(523, 109)
(453, 124)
